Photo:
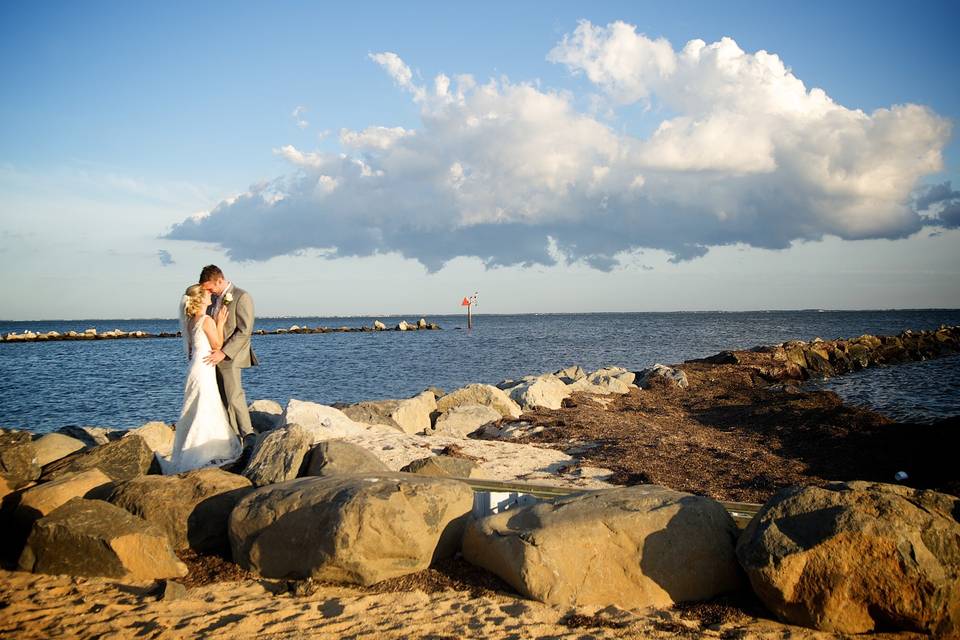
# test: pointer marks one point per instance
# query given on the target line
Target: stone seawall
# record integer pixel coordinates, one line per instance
(799, 360)
(117, 334)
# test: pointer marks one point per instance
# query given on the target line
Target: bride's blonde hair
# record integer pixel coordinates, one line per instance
(193, 300)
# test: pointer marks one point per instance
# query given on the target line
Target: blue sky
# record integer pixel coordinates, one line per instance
(120, 121)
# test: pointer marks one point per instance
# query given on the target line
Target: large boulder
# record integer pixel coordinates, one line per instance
(56, 446)
(857, 556)
(355, 529)
(320, 421)
(278, 455)
(602, 382)
(96, 538)
(337, 457)
(122, 459)
(158, 436)
(19, 465)
(464, 419)
(660, 374)
(485, 394)
(546, 392)
(42, 499)
(265, 415)
(191, 508)
(374, 412)
(633, 547)
(442, 467)
(91, 436)
(411, 415)
(571, 374)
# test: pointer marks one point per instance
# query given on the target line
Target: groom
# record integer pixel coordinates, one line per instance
(236, 353)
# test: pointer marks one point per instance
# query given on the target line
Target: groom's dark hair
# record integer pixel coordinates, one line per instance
(210, 272)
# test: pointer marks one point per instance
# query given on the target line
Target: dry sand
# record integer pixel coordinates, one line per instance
(36, 606)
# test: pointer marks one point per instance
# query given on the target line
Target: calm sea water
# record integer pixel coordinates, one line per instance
(124, 383)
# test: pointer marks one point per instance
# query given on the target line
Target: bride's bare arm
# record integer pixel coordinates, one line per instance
(214, 331)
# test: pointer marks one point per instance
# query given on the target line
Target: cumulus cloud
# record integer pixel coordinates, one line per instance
(297, 116)
(165, 258)
(941, 202)
(516, 174)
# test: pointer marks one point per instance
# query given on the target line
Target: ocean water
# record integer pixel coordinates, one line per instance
(124, 383)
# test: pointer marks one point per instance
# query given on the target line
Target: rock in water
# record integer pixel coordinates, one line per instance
(95, 538)
(485, 394)
(857, 556)
(122, 459)
(336, 457)
(635, 547)
(191, 508)
(278, 455)
(356, 529)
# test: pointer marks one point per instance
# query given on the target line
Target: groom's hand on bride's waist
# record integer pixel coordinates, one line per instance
(215, 357)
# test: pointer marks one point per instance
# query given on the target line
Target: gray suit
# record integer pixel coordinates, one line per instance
(240, 355)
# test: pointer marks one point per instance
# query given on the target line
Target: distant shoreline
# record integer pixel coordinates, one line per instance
(477, 313)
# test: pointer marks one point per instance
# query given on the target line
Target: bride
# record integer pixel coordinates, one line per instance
(203, 433)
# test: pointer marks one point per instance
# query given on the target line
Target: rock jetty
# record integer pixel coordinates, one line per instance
(117, 334)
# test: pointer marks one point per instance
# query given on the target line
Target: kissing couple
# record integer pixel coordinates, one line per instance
(216, 322)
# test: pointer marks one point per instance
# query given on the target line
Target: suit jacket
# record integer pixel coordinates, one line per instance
(237, 330)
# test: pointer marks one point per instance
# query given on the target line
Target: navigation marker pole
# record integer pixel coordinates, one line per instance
(469, 303)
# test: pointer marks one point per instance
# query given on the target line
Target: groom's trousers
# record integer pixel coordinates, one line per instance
(234, 399)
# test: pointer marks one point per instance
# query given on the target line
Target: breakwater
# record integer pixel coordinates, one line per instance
(117, 334)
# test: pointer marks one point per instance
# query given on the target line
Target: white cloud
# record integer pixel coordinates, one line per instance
(297, 116)
(748, 155)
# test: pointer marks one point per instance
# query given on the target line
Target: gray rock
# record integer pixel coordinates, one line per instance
(95, 538)
(662, 374)
(122, 459)
(265, 415)
(191, 508)
(337, 457)
(856, 557)
(634, 547)
(278, 455)
(571, 374)
(484, 394)
(547, 392)
(411, 415)
(355, 529)
(18, 459)
(464, 419)
(441, 467)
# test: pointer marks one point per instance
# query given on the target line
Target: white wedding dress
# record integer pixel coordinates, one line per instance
(203, 437)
